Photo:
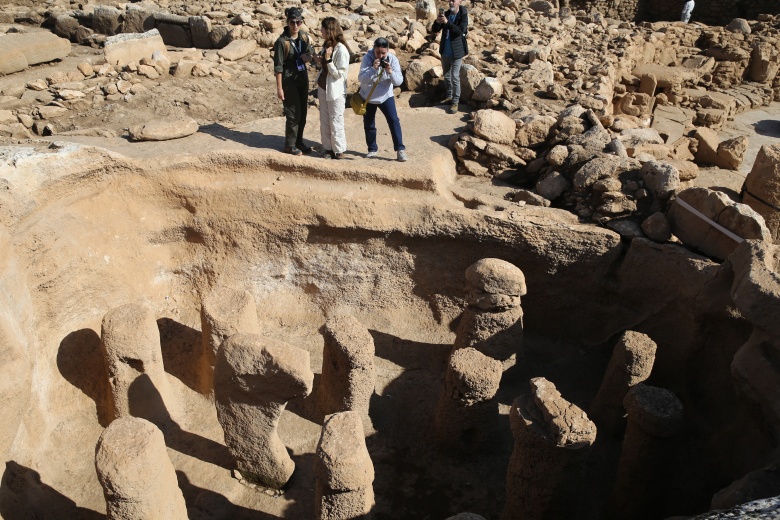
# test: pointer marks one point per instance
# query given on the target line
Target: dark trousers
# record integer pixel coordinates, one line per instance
(296, 93)
(369, 124)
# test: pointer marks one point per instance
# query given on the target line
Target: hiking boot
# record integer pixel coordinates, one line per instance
(401, 156)
(453, 109)
(303, 148)
(372, 155)
(292, 150)
(446, 101)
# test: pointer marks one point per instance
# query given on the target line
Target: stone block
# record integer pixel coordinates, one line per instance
(123, 49)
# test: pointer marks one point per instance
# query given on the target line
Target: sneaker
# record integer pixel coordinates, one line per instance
(292, 150)
(372, 155)
(401, 156)
(327, 154)
(303, 148)
(453, 109)
(338, 155)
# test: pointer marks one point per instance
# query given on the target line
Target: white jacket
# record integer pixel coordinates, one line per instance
(337, 72)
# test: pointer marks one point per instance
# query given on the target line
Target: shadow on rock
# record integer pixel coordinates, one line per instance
(180, 347)
(768, 127)
(204, 504)
(251, 139)
(146, 403)
(24, 495)
(80, 361)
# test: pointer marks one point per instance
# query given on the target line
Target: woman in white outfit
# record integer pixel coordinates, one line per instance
(332, 85)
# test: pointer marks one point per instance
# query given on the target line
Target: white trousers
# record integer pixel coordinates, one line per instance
(332, 123)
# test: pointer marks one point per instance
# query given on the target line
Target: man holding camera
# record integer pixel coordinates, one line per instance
(454, 25)
(379, 73)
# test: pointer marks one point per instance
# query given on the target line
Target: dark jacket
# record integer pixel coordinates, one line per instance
(284, 52)
(457, 32)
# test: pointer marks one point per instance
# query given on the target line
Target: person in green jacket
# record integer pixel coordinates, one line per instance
(292, 51)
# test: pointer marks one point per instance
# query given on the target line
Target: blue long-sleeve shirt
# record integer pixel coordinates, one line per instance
(367, 76)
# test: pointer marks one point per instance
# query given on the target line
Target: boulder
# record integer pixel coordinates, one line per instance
(106, 20)
(163, 130)
(535, 130)
(661, 178)
(416, 71)
(763, 63)
(761, 190)
(21, 50)
(709, 221)
(488, 88)
(494, 126)
(123, 49)
(470, 78)
(739, 25)
(237, 49)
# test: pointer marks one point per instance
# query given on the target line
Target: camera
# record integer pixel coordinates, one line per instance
(441, 11)
(383, 63)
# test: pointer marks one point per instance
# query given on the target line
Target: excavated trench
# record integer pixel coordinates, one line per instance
(86, 231)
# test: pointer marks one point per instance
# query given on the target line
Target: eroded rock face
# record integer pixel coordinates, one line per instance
(253, 379)
(345, 473)
(552, 437)
(348, 374)
(224, 312)
(631, 364)
(130, 342)
(138, 479)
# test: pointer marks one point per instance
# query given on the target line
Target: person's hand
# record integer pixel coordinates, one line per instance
(376, 64)
(328, 53)
(441, 19)
(306, 58)
(318, 60)
(388, 69)
(280, 93)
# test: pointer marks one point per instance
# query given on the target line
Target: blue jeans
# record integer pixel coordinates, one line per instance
(369, 124)
(451, 69)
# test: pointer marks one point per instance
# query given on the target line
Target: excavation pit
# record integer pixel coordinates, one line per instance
(87, 230)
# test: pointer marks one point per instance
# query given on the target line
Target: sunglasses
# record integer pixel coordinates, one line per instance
(296, 22)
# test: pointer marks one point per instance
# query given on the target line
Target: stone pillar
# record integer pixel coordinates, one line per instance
(755, 292)
(631, 363)
(223, 312)
(552, 441)
(343, 469)
(253, 379)
(348, 374)
(138, 479)
(655, 417)
(761, 190)
(467, 407)
(130, 341)
(493, 321)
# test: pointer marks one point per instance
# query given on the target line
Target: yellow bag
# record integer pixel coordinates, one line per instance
(357, 102)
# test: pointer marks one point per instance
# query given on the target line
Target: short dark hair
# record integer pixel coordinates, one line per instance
(294, 13)
(382, 43)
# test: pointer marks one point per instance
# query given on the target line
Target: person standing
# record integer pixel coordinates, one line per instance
(381, 67)
(687, 10)
(331, 83)
(292, 51)
(453, 25)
